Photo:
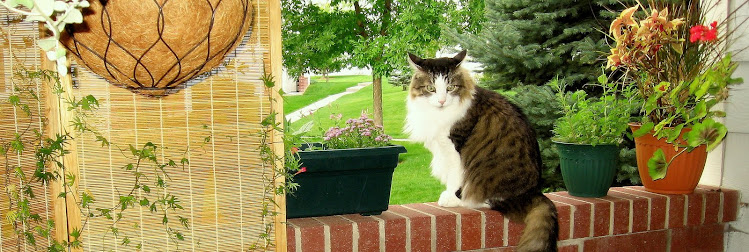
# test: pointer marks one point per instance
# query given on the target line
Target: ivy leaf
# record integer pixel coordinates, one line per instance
(26, 3)
(47, 44)
(47, 7)
(144, 202)
(657, 165)
(74, 16)
(60, 6)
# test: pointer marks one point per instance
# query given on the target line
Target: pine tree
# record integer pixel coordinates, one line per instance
(529, 42)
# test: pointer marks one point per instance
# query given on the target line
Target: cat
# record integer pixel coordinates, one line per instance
(484, 149)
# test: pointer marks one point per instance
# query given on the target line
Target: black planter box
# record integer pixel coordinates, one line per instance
(343, 181)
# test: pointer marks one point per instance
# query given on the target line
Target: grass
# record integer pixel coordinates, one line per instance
(412, 180)
(319, 89)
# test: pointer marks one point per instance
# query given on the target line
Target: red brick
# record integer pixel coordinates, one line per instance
(699, 238)
(676, 213)
(580, 215)
(639, 210)
(564, 215)
(494, 229)
(568, 248)
(621, 214)
(636, 242)
(730, 205)
(657, 206)
(341, 232)
(421, 228)
(712, 206)
(312, 233)
(290, 238)
(395, 231)
(601, 213)
(369, 232)
(446, 224)
(514, 231)
(694, 208)
(470, 227)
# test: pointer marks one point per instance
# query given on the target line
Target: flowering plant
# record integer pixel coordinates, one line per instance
(358, 133)
(681, 69)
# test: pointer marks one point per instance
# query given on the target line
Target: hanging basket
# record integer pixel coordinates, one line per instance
(153, 47)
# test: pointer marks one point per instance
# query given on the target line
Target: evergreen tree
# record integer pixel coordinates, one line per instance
(529, 42)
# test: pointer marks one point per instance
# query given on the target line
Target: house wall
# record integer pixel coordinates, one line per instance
(727, 165)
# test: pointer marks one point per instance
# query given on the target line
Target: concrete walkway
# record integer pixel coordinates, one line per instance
(310, 109)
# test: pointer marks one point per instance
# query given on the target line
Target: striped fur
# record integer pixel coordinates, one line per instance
(485, 150)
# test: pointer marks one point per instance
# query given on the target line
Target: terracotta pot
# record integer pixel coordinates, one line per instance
(684, 172)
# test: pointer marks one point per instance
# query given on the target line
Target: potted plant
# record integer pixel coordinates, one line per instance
(588, 134)
(682, 69)
(351, 171)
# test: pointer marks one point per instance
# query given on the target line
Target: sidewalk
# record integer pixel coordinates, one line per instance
(310, 109)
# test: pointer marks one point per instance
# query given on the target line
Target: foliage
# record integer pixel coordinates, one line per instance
(281, 180)
(680, 79)
(316, 38)
(359, 133)
(147, 192)
(55, 15)
(530, 42)
(602, 120)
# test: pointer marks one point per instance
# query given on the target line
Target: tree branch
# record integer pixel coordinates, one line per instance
(359, 20)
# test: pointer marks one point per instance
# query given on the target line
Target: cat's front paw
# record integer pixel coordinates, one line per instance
(448, 199)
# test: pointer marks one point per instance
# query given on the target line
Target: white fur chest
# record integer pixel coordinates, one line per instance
(427, 123)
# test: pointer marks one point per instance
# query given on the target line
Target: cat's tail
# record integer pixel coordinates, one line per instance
(540, 217)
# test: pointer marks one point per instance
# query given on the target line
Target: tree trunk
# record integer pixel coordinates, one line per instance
(377, 98)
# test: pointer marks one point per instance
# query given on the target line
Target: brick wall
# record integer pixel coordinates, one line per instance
(302, 84)
(628, 219)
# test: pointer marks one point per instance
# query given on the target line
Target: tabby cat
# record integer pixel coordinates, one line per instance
(484, 149)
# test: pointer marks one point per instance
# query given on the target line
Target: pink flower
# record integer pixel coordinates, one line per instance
(303, 169)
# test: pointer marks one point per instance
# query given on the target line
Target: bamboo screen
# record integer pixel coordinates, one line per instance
(214, 123)
(18, 51)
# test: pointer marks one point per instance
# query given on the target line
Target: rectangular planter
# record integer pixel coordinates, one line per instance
(343, 181)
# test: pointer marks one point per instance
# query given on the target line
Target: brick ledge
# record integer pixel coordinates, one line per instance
(628, 219)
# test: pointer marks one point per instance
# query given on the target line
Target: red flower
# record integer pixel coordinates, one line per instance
(303, 169)
(703, 33)
(294, 150)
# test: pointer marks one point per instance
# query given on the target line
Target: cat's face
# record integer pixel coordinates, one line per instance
(441, 82)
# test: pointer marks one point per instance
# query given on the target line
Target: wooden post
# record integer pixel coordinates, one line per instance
(67, 215)
(276, 61)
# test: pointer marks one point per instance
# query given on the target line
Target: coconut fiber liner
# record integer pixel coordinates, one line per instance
(154, 47)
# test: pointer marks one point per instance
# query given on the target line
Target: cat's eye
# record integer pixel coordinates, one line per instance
(430, 88)
(451, 88)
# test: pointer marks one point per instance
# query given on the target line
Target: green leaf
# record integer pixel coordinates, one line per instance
(644, 129)
(11, 3)
(47, 7)
(26, 3)
(657, 165)
(144, 202)
(47, 44)
(60, 6)
(74, 17)
(603, 79)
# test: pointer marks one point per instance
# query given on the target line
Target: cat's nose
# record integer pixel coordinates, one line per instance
(442, 102)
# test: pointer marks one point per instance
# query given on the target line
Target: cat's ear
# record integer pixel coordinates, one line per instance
(460, 57)
(415, 62)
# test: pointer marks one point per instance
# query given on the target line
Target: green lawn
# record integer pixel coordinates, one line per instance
(412, 180)
(319, 89)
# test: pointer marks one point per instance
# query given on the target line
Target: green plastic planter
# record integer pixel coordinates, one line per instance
(343, 181)
(587, 170)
